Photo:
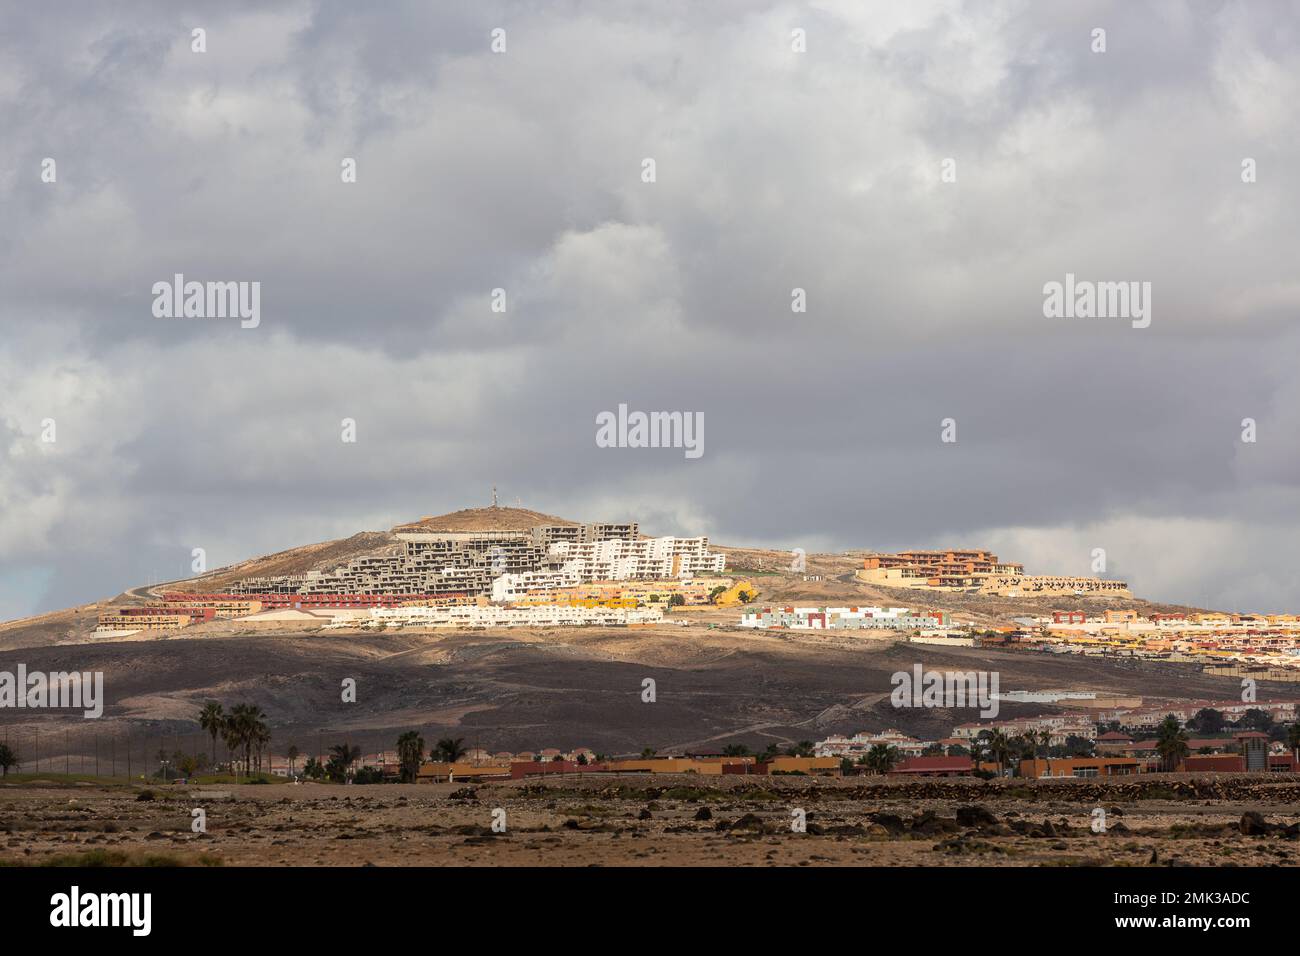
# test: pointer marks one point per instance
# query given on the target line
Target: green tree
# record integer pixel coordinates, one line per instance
(881, 758)
(1256, 719)
(647, 753)
(261, 738)
(1208, 721)
(312, 769)
(342, 756)
(735, 750)
(244, 729)
(803, 748)
(1078, 747)
(410, 754)
(292, 753)
(450, 749)
(213, 720)
(999, 749)
(7, 759)
(676, 600)
(713, 594)
(1171, 742)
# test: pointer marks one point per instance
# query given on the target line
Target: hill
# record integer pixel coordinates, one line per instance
(485, 519)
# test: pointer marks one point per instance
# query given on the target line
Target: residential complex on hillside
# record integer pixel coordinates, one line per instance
(1260, 645)
(843, 618)
(545, 576)
(469, 563)
(975, 571)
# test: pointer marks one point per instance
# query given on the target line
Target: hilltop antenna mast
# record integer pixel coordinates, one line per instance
(494, 496)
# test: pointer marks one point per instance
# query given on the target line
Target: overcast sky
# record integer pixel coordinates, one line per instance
(774, 170)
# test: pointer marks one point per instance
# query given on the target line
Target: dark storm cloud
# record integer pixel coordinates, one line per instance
(775, 171)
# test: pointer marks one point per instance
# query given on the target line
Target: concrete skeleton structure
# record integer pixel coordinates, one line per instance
(502, 564)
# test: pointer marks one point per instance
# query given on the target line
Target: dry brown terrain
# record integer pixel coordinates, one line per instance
(528, 689)
(566, 687)
(657, 821)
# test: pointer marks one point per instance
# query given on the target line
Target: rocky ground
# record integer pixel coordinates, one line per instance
(1173, 820)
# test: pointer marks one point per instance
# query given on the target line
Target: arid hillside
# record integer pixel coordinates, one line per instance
(827, 579)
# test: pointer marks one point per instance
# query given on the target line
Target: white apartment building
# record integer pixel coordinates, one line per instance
(620, 559)
(840, 618)
(861, 743)
(514, 587)
(474, 616)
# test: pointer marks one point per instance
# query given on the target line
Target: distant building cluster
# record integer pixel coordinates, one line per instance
(547, 576)
(1263, 645)
(843, 618)
(975, 571)
(472, 616)
(175, 613)
(479, 563)
(1116, 752)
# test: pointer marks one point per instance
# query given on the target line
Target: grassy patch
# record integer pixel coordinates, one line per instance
(61, 780)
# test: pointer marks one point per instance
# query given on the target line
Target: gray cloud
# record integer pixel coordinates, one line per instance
(775, 170)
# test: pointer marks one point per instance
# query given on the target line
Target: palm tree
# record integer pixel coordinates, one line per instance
(212, 719)
(261, 737)
(976, 751)
(292, 754)
(882, 757)
(410, 751)
(450, 749)
(245, 727)
(1293, 741)
(1171, 742)
(1045, 738)
(1028, 743)
(342, 756)
(230, 737)
(999, 748)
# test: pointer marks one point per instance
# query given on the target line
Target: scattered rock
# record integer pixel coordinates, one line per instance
(976, 815)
